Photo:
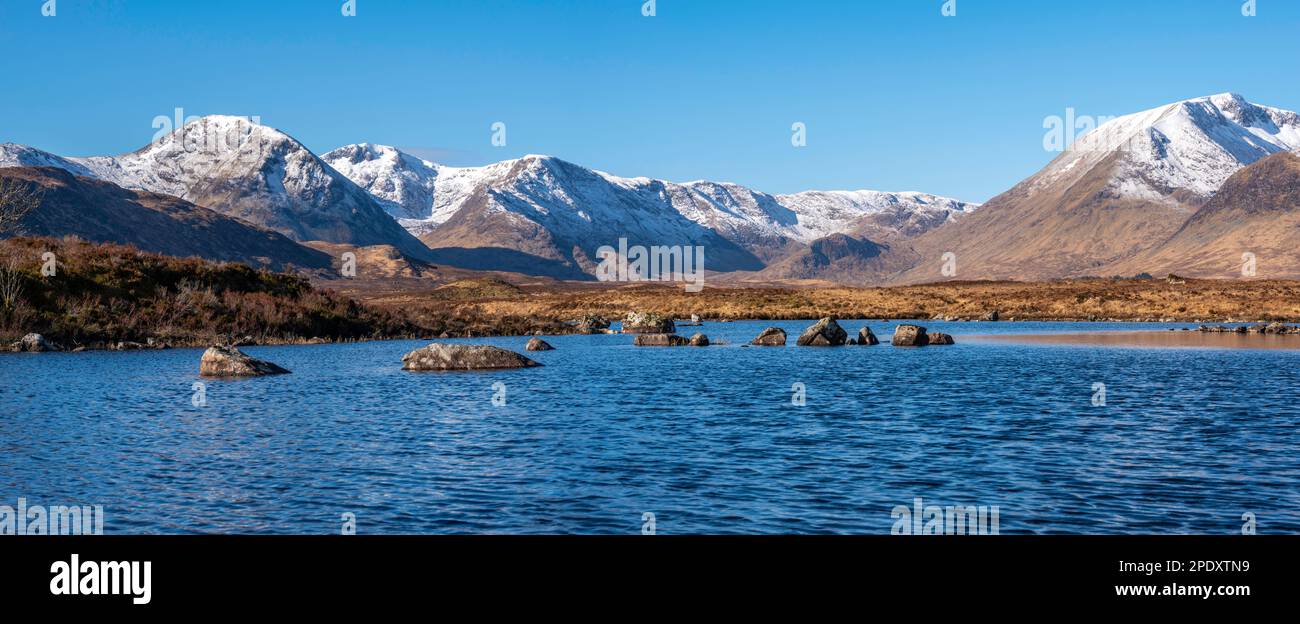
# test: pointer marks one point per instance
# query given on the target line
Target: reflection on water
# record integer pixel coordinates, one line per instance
(1148, 339)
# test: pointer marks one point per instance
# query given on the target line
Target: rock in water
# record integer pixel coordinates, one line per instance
(823, 333)
(910, 336)
(991, 315)
(940, 339)
(771, 337)
(34, 343)
(699, 340)
(537, 344)
(659, 340)
(592, 324)
(446, 357)
(647, 323)
(866, 338)
(231, 362)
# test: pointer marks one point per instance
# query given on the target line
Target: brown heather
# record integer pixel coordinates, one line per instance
(1099, 299)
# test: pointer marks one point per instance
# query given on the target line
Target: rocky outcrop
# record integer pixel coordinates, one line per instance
(591, 324)
(910, 336)
(659, 340)
(231, 362)
(1262, 328)
(940, 339)
(448, 357)
(699, 340)
(537, 344)
(771, 337)
(866, 338)
(647, 323)
(991, 315)
(823, 333)
(34, 343)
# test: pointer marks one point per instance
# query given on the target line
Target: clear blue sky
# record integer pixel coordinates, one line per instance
(894, 95)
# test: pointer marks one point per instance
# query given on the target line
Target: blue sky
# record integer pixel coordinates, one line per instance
(894, 95)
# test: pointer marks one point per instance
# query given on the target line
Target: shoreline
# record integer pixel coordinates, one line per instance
(1026, 338)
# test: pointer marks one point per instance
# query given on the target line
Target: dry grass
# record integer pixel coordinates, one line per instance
(1132, 299)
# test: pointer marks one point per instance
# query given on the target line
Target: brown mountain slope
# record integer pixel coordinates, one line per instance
(1045, 229)
(104, 212)
(1256, 211)
(842, 259)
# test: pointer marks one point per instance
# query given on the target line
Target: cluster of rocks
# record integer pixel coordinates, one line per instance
(990, 316)
(828, 333)
(34, 343)
(1262, 328)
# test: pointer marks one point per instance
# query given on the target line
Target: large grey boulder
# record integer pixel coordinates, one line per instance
(699, 340)
(647, 323)
(660, 340)
(771, 337)
(866, 338)
(447, 357)
(34, 343)
(823, 333)
(231, 362)
(910, 336)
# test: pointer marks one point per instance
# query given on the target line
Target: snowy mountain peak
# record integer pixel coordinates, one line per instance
(1191, 146)
(15, 155)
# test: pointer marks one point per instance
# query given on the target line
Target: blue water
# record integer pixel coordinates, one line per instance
(706, 439)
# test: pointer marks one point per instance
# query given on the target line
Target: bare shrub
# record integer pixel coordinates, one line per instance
(16, 200)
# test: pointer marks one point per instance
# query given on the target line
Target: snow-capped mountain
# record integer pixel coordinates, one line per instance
(1191, 146)
(1118, 192)
(15, 155)
(586, 206)
(249, 171)
(95, 210)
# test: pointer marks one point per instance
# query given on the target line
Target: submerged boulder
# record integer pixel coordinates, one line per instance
(940, 339)
(231, 362)
(823, 333)
(771, 337)
(866, 338)
(647, 323)
(537, 344)
(699, 340)
(446, 357)
(910, 336)
(659, 340)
